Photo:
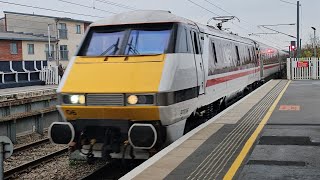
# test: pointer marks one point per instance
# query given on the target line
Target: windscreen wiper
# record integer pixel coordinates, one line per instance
(132, 48)
(115, 46)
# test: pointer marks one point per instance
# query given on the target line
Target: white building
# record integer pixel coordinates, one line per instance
(67, 33)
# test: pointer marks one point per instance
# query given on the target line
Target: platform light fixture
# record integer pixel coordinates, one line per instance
(314, 42)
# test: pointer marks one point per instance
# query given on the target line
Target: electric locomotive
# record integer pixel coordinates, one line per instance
(142, 79)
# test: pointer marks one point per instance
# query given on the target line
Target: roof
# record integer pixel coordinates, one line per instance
(140, 17)
(22, 37)
(54, 17)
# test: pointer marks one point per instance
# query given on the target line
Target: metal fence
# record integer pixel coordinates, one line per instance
(50, 75)
(303, 68)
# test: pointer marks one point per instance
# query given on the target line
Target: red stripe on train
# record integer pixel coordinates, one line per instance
(219, 80)
(269, 67)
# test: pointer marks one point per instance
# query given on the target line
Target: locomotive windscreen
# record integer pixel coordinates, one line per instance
(128, 40)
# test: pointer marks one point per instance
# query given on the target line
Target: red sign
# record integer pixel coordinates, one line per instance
(289, 108)
(302, 64)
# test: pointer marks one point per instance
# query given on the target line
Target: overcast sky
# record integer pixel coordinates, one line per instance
(250, 12)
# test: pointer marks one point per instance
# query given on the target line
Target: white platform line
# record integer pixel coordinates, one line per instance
(132, 174)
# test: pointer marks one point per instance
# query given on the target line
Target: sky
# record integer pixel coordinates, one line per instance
(251, 13)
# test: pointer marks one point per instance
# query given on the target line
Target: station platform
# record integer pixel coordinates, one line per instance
(18, 93)
(26, 110)
(273, 133)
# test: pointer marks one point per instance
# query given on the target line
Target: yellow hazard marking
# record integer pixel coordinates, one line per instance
(237, 163)
(289, 108)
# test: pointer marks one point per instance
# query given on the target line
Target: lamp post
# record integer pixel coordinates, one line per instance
(298, 30)
(49, 43)
(314, 42)
(298, 24)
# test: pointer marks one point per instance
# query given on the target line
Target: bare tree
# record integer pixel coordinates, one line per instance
(307, 50)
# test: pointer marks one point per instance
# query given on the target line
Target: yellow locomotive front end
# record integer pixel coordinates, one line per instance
(109, 94)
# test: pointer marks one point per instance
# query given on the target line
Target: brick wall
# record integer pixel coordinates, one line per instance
(5, 54)
(86, 25)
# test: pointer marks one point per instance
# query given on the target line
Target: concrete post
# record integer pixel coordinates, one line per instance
(314, 68)
(1, 160)
(298, 29)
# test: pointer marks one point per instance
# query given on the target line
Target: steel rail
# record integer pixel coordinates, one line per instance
(31, 145)
(33, 164)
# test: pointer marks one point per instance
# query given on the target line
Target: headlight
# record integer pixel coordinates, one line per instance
(132, 99)
(74, 99)
(140, 99)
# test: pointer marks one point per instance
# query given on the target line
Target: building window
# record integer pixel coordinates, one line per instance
(30, 48)
(51, 55)
(64, 52)
(63, 32)
(78, 29)
(13, 48)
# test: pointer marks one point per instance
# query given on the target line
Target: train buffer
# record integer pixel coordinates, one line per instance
(273, 133)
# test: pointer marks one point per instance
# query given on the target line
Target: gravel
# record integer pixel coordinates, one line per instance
(30, 138)
(62, 169)
(29, 155)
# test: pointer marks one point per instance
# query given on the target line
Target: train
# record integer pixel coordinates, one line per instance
(142, 79)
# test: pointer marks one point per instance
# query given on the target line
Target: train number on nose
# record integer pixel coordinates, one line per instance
(184, 111)
(71, 112)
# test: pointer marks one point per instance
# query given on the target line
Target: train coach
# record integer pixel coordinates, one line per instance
(143, 79)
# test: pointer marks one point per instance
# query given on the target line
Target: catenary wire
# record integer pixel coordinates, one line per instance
(49, 9)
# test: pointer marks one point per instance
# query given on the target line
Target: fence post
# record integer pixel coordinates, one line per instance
(293, 69)
(56, 73)
(289, 68)
(314, 68)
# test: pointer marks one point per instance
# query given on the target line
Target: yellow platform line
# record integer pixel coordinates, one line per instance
(245, 150)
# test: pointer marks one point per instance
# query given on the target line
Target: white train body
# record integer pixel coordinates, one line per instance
(200, 70)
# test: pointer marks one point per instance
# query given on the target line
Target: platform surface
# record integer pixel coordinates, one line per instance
(289, 146)
(17, 93)
(273, 133)
(26, 89)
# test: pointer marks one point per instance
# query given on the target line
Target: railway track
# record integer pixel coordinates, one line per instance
(27, 166)
(31, 145)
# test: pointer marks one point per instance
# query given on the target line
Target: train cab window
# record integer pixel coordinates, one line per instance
(214, 52)
(257, 53)
(127, 40)
(238, 56)
(104, 43)
(254, 54)
(254, 57)
(249, 54)
(143, 42)
(201, 42)
(182, 45)
(195, 42)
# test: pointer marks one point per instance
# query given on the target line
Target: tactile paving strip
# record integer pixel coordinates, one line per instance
(221, 155)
